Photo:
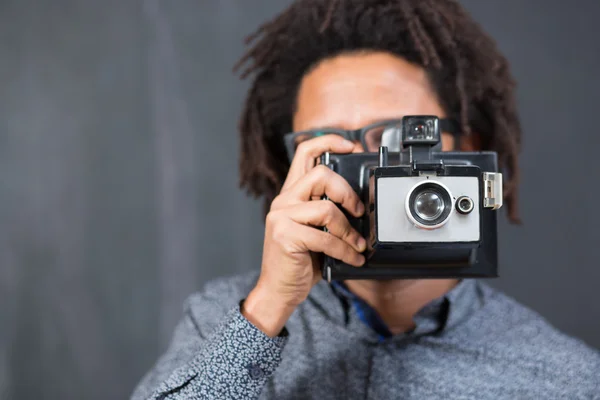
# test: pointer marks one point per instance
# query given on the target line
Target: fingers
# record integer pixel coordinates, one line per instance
(308, 151)
(322, 242)
(297, 209)
(327, 214)
(323, 181)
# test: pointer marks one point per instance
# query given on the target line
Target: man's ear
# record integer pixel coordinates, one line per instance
(470, 142)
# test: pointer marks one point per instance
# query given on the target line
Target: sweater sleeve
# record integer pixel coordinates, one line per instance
(234, 361)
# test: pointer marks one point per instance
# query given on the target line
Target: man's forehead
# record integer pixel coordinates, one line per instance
(350, 93)
(350, 123)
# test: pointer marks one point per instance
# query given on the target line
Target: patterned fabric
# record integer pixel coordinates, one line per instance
(236, 362)
(472, 343)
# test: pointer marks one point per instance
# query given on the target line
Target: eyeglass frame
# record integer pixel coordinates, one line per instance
(447, 125)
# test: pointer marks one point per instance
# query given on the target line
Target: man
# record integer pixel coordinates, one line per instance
(284, 332)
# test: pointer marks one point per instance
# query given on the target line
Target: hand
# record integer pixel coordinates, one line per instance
(290, 266)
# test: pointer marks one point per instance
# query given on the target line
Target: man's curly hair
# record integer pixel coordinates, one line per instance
(472, 79)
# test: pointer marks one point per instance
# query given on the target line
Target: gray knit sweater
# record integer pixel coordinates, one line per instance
(473, 343)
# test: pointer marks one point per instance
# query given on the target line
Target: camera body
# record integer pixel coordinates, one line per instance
(429, 214)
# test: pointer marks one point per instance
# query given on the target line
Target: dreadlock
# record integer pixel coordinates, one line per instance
(472, 79)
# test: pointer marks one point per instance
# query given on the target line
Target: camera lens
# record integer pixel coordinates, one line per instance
(429, 205)
(464, 205)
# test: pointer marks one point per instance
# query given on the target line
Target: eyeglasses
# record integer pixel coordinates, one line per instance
(386, 133)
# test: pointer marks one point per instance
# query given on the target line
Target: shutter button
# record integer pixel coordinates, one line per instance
(256, 372)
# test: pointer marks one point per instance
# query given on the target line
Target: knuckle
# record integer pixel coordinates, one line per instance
(329, 241)
(321, 171)
(281, 202)
(273, 220)
(288, 247)
(347, 231)
(278, 233)
(328, 210)
(274, 205)
(303, 148)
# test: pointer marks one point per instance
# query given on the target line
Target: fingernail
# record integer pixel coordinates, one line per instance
(361, 261)
(348, 143)
(361, 243)
(360, 208)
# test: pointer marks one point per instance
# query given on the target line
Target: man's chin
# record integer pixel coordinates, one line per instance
(400, 285)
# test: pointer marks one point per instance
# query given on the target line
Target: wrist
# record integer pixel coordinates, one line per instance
(266, 311)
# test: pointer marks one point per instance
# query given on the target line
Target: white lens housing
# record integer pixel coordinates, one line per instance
(443, 193)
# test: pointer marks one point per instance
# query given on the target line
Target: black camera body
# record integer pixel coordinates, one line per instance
(429, 214)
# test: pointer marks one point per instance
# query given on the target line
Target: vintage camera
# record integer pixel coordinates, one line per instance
(429, 214)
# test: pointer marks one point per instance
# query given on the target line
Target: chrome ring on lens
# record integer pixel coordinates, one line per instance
(429, 205)
(464, 205)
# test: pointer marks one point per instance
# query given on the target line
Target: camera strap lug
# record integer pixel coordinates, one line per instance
(492, 190)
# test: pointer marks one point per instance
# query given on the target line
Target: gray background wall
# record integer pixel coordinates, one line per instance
(118, 177)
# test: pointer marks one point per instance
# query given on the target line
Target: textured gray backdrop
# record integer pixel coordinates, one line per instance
(118, 177)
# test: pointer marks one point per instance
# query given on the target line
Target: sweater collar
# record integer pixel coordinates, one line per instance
(440, 314)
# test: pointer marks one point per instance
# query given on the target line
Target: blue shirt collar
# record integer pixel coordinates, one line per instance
(439, 314)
